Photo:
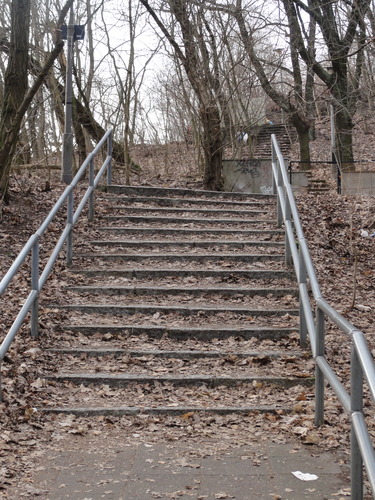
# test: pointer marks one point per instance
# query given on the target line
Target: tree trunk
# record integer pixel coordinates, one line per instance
(303, 131)
(200, 64)
(15, 87)
(17, 96)
(212, 147)
(344, 140)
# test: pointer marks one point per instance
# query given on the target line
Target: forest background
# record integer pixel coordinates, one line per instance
(193, 71)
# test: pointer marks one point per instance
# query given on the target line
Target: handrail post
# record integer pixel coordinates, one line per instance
(69, 220)
(288, 218)
(273, 161)
(279, 184)
(356, 400)
(302, 316)
(91, 184)
(109, 153)
(35, 286)
(319, 377)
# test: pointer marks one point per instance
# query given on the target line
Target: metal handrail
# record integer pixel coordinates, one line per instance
(361, 364)
(32, 245)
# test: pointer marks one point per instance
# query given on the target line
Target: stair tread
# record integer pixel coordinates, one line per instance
(191, 353)
(165, 410)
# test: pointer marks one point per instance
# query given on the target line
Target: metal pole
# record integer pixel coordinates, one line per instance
(35, 286)
(67, 159)
(288, 252)
(302, 281)
(91, 184)
(319, 377)
(109, 153)
(333, 148)
(356, 389)
(69, 221)
(279, 182)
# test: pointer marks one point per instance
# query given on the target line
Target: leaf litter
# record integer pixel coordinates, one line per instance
(335, 244)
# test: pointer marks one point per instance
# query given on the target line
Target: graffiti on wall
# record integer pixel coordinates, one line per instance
(266, 189)
(250, 167)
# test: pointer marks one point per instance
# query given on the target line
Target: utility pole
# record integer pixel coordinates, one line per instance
(67, 158)
(279, 52)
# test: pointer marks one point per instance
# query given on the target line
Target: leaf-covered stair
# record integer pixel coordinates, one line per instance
(181, 303)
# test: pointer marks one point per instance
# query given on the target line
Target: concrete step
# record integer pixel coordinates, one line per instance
(186, 232)
(180, 354)
(225, 274)
(148, 309)
(217, 196)
(191, 202)
(186, 243)
(203, 333)
(120, 411)
(204, 212)
(122, 380)
(185, 290)
(137, 219)
(178, 258)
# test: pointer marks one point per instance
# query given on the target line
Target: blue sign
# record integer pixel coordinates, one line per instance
(78, 33)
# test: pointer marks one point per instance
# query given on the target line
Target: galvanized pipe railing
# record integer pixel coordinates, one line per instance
(361, 363)
(32, 246)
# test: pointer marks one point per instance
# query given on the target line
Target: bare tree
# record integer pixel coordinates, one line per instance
(17, 96)
(296, 104)
(342, 25)
(198, 59)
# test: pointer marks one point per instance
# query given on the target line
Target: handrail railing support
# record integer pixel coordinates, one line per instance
(356, 403)
(69, 221)
(302, 315)
(35, 286)
(288, 252)
(278, 184)
(91, 184)
(109, 153)
(319, 377)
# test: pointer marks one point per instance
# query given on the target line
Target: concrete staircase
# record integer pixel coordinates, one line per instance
(262, 140)
(180, 305)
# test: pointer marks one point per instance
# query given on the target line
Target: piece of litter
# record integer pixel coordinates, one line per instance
(304, 476)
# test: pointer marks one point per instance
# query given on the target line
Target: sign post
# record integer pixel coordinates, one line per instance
(71, 33)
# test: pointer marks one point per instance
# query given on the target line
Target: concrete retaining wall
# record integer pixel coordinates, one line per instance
(358, 183)
(248, 176)
(255, 176)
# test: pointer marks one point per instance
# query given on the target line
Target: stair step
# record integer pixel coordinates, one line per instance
(131, 309)
(188, 211)
(198, 273)
(169, 290)
(178, 192)
(174, 257)
(122, 380)
(181, 333)
(182, 220)
(185, 243)
(174, 202)
(188, 231)
(181, 354)
(185, 412)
